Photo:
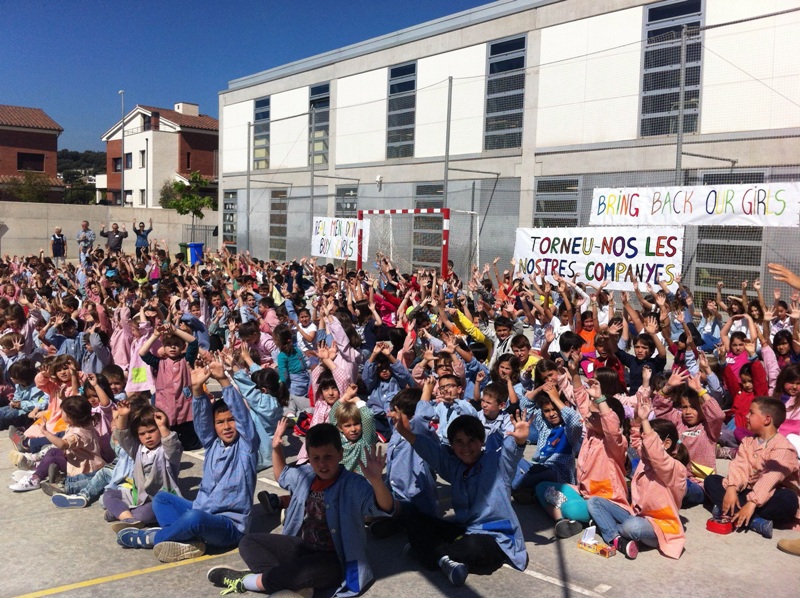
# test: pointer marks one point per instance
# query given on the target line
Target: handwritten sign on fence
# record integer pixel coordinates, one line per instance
(599, 254)
(337, 238)
(774, 204)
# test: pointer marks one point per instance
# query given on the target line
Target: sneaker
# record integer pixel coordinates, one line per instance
(69, 501)
(172, 552)
(18, 474)
(22, 460)
(269, 501)
(26, 484)
(118, 526)
(566, 528)
(790, 546)
(524, 496)
(716, 512)
(222, 576)
(16, 438)
(133, 537)
(725, 452)
(627, 547)
(54, 475)
(761, 526)
(456, 572)
(51, 489)
(108, 516)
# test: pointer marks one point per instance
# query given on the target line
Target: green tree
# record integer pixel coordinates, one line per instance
(191, 198)
(30, 187)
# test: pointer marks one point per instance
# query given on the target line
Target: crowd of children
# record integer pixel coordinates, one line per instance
(391, 379)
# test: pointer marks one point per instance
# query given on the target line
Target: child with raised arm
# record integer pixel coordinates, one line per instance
(449, 406)
(657, 489)
(172, 375)
(384, 376)
(486, 532)
(156, 452)
(323, 542)
(762, 486)
(220, 514)
(354, 420)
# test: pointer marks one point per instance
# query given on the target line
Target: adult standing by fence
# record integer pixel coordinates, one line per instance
(58, 247)
(141, 237)
(114, 236)
(85, 238)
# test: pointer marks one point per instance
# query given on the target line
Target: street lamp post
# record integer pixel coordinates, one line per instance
(122, 160)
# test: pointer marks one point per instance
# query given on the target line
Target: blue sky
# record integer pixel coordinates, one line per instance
(70, 57)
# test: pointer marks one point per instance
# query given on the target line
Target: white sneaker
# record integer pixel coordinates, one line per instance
(26, 484)
(18, 474)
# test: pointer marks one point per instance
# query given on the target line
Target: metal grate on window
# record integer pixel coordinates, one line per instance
(427, 228)
(661, 72)
(261, 135)
(505, 94)
(556, 202)
(401, 112)
(278, 217)
(347, 202)
(319, 106)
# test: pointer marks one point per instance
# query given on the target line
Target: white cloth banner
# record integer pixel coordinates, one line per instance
(599, 254)
(337, 238)
(774, 204)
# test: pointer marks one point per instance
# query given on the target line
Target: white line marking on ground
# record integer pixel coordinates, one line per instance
(199, 455)
(602, 588)
(559, 582)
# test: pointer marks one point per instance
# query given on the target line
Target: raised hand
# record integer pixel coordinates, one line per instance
(643, 408)
(375, 462)
(280, 432)
(782, 274)
(593, 389)
(522, 428)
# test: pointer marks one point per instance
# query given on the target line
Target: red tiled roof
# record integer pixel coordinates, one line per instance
(10, 178)
(182, 120)
(29, 118)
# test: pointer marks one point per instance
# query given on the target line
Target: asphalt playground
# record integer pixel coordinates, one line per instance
(73, 553)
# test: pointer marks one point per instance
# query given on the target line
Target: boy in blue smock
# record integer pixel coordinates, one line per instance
(384, 377)
(220, 514)
(485, 532)
(450, 405)
(323, 543)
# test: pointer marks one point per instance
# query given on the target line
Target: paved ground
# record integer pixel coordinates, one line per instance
(72, 553)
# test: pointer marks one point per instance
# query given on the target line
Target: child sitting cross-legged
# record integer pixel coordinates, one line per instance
(485, 532)
(762, 484)
(220, 514)
(323, 542)
(156, 452)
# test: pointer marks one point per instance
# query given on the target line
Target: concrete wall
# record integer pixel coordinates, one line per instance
(25, 227)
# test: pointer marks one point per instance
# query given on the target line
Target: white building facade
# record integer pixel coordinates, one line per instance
(517, 110)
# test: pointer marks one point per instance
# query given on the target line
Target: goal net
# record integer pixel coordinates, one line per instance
(421, 238)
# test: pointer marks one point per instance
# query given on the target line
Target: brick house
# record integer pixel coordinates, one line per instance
(28, 142)
(160, 145)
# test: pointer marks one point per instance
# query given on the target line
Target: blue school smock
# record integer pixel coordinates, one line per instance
(229, 472)
(265, 411)
(382, 392)
(408, 476)
(445, 413)
(347, 502)
(482, 493)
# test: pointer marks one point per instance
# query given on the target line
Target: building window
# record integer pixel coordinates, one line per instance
(142, 198)
(728, 253)
(261, 135)
(661, 74)
(277, 224)
(320, 103)
(401, 111)
(556, 202)
(116, 164)
(188, 160)
(427, 228)
(229, 216)
(142, 159)
(346, 202)
(116, 197)
(505, 94)
(128, 161)
(30, 162)
(128, 197)
(146, 122)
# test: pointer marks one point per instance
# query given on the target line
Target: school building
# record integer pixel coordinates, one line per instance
(517, 110)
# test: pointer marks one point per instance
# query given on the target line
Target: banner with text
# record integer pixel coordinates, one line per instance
(337, 238)
(599, 254)
(774, 204)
